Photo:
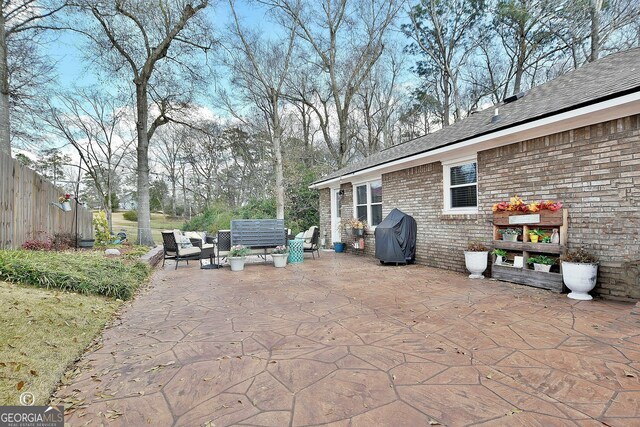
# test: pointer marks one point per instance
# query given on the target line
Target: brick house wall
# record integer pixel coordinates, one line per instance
(594, 170)
(325, 215)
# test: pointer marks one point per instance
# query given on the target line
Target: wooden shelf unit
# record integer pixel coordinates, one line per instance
(545, 220)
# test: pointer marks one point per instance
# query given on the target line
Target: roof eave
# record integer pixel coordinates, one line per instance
(602, 109)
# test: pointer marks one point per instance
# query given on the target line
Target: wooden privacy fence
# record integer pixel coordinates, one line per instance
(27, 209)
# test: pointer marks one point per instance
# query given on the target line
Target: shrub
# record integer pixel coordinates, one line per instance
(476, 247)
(580, 256)
(130, 215)
(38, 245)
(81, 272)
(64, 241)
(101, 228)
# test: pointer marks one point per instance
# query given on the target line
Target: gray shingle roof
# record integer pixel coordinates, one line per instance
(606, 78)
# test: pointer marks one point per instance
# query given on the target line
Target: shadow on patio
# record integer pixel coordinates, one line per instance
(344, 340)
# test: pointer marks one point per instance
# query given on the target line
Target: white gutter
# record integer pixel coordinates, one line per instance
(612, 109)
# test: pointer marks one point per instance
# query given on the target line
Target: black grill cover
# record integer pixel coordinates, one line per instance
(396, 238)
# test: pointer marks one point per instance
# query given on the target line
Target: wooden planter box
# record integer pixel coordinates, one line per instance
(545, 220)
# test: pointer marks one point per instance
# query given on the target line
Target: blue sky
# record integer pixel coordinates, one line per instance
(73, 69)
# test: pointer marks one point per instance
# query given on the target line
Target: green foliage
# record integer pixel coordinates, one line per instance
(541, 259)
(239, 251)
(536, 232)
(158, 190)
(130, 216)
(101, 228)
(219, 215)
(500, 252)
(516, 231)
(82, 272)
(302, 203)
(115, 201)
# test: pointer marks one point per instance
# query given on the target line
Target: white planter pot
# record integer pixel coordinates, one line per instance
(499, 259)
(236, 263)
(510, 237)
(580, 279)
(541, 267)
(279, 260)
(476, 263)
(66, 206)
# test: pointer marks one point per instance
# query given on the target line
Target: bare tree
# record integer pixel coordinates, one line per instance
(377, 102)
(169, 151)
(142, 39)
(260, 69)
(21, 22)
(524, 39)
(345, 39)
(587, 28)
(93, 123)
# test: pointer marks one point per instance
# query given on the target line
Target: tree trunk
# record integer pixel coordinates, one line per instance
(5, 123)
(173, 195)
(142, 151)
(446, 105)
(108, 210)
(277, 151)
(596, 7)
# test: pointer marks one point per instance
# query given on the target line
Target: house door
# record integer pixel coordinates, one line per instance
(336, 209)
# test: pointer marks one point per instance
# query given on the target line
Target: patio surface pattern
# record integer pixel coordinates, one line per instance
(345, 341)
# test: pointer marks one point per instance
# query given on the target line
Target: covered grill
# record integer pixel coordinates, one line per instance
(396, 238)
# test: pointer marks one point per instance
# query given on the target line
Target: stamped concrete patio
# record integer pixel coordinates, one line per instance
(346, 342)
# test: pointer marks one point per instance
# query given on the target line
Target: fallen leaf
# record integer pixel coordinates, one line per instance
(20, 385)
(33, 372)
(629, 374)
(489, 375)
(104, 396)
(434, 423)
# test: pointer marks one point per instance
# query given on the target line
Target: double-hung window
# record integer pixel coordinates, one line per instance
(368, 202)
(461, 186)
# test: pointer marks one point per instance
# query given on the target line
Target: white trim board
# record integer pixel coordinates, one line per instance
(612, 109)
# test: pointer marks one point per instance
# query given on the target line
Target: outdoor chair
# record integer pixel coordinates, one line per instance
(173, 250)
(312, 241)
(223, 244)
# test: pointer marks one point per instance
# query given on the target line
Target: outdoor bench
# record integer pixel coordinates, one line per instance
(259, 235)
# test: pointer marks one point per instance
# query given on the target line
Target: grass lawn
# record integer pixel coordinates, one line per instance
(43, 332)
(159, 222)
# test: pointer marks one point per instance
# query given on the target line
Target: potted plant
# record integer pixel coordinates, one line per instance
(546, 239)
(541, 262)
(236, 257)
(579, 273)
(279, 255)
(358, 227)
(65, 202)
(338, 246)
(511, 234)
(475, 258)
(535, 235)
(501, 255)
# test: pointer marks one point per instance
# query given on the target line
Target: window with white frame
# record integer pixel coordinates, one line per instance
(368, 202)
(461, 186)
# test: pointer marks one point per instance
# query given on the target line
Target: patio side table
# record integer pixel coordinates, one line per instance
(208, 253)
(296, 251)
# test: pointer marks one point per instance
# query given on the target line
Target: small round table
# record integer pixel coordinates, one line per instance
(296, 251)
